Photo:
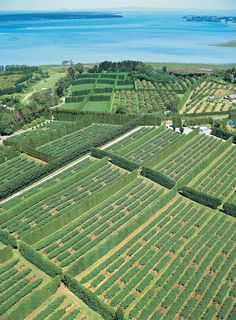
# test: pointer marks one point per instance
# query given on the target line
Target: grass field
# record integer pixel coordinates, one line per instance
(100, 106)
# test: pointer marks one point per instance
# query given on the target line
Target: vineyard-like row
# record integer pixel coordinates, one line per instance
(192, 157)
(52, 202)
(180, 84)
(98, 224)
(179, 264)
(146, 143)
(17, 167)
(63, 306)
(219, 179)
(209, 96)
(46, 184)
(74, 140)
(18, 281)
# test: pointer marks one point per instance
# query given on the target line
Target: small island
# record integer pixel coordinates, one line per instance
(206, 18)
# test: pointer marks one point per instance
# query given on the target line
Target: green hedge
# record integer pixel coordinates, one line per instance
(95, 98)
(230, 209)
(115, 159)
(225, 135)
(36, 299)
(74, 99)
(99, 251)
(88, 297)
(38, 260)
(86, 204)
(6, 254)
(201, 197)
(37, 154)
(8, 239)
(95, 117)
(158, 177)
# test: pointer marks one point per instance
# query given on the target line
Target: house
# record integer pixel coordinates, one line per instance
(231, 96)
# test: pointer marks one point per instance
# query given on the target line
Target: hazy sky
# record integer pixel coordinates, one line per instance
(92, 4)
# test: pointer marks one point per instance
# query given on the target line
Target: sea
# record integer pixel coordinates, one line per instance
(156, 36)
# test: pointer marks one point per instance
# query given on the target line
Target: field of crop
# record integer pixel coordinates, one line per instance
(179, 265)
(75, 139)
(145, 144)
(40, 133)
(180, 85)
(116, 238)
(63, 306)
(192, 155)
(98, 224)
(55, 200)
(17, 167)
(153, 101)
(209, 97)
(46, 184)
(18, 281)
(219, 179)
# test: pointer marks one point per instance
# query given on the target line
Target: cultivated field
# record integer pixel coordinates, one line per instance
(116, 230)
(179, 264)
(209, 97)
(146, 143)
(219, 178)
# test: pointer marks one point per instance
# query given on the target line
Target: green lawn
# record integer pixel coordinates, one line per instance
(98, 106)
(72, 106)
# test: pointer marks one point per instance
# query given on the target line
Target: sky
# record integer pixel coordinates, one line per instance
(44, 5)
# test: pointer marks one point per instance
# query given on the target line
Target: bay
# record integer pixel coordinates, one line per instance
(147, 36)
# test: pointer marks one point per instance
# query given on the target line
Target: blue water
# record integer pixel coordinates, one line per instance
(156, 36)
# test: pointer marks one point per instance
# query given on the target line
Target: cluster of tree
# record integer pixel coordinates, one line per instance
(20, 69)
(8, 153)
(73, 73)
(230, 75)
(123, 66)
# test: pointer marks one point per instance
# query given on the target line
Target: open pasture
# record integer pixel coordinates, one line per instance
(180, 264)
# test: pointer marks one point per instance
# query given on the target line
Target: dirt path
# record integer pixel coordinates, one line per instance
(68, 166)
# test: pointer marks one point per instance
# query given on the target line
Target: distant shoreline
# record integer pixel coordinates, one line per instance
(40, 16)
(229, 44)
